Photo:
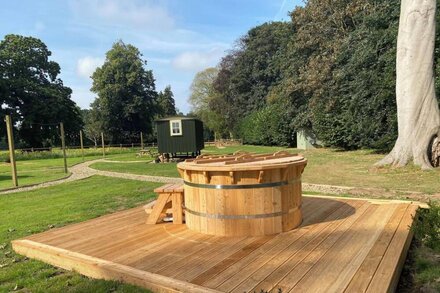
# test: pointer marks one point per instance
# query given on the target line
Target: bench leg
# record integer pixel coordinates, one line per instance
(158, 208)
(177, 208)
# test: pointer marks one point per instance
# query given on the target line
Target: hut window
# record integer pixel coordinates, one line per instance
(176, 127)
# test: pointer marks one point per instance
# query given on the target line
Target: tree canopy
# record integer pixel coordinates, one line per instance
(32, 92)
(165, 103)
(126, 94)
(201, 100)
(330, 70)
(348, 79)
(248, 73)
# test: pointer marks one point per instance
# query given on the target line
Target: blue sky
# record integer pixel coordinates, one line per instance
(178, 38)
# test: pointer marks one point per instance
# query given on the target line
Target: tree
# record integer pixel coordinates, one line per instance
(220, 103)
(268, 126)
(202, 89)
(361, 82)
(32, 93)
(330, 70)
(320, 70)
(201, 101)
(249, 72)
(166, 103)
(92, 125)
(417, 107)
(126, 93)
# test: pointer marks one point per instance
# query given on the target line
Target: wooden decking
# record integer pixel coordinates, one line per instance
(342, 245)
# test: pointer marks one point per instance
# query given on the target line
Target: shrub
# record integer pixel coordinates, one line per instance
(268, 126)
(427, 226)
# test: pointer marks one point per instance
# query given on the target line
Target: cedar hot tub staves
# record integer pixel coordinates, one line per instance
(243, 194)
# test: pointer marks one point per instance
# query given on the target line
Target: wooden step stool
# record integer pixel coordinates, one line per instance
(169, 201)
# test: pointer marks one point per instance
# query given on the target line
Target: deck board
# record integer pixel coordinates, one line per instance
(298, 264)
(363, 276)
(342, 244)
(343, 259)
(284, 257)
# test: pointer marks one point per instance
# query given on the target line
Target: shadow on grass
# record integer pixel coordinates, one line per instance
(9, 177)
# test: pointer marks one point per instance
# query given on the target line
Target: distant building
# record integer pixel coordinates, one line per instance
(179, 136)
(306, 139)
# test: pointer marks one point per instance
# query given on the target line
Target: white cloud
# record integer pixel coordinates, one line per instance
(159, 60)
(87, 65)
(132, 13)
(197, 60)
(82, 96)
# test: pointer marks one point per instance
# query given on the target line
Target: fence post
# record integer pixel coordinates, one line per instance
(142, 141)
(11, 150)
(63, 146)
(82, 144)
(103, 145)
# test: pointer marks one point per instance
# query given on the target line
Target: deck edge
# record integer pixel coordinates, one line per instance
(409, 235)
(102, 269)
(372, 200)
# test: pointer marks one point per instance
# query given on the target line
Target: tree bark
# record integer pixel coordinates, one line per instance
(418, 113)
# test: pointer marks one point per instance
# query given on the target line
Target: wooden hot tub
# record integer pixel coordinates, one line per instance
(243, 194)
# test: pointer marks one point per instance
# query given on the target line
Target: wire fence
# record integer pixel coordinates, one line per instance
(18, 171)
(38, 165)
(224, 142)
(107, 145)
(44, 171)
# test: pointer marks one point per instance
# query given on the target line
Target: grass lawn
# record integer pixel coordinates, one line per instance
(426, 268)
(131, 156)
(37, 170)
(143, 168)
(31, 212)
(355, 168)
(325, 166)
(170, 170)
(421, 272)
(36, 211)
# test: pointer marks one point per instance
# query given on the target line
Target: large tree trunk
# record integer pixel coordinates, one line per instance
(417, 108)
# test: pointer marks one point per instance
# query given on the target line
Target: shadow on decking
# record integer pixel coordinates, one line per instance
(335, 249)
(317, 210)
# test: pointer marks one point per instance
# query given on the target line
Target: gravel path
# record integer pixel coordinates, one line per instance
(83, 170)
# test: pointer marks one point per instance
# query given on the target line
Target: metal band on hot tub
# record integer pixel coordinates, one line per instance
(241, 186)
(239, 217)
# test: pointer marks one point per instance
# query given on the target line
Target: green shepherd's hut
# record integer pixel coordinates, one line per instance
(179, 136)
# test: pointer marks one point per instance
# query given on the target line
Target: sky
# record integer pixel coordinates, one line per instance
(178, 38)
